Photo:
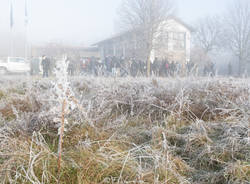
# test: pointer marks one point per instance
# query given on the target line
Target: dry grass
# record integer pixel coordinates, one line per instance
(122, 131)
(238, 172)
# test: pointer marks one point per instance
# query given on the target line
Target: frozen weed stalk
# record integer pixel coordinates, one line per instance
(64, 96)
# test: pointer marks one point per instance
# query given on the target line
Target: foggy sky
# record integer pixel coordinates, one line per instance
(85, 21)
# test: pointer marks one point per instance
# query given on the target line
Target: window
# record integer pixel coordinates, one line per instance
(179, 36)
(165, 39)
(179, 41)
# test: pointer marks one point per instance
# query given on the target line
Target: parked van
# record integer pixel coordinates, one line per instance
(14, 65)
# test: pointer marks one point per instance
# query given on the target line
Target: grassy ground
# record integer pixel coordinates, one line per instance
(185, 130)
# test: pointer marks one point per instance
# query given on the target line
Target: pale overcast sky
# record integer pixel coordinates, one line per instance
(85, 21)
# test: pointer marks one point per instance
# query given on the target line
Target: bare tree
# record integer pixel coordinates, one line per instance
(145, 17)
(207, 34)
(237, 31)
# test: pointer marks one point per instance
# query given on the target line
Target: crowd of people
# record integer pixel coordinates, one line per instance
(113, 66)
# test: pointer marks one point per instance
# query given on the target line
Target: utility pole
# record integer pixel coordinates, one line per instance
(11, 30)
(26, 31)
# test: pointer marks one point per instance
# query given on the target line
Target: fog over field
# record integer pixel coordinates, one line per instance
(85, 22)
(124, 92)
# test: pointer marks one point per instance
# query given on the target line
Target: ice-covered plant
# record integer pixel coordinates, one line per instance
(64, 96)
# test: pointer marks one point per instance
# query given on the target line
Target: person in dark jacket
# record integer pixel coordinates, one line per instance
(134, 67)
(45, 65)
(172, 68)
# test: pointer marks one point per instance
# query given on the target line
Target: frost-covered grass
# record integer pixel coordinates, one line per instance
(184, 130)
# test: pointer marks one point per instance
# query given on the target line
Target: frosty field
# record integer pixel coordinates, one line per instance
(125, 130)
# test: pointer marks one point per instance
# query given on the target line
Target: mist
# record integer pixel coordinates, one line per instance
(124, 91)
(84, 22)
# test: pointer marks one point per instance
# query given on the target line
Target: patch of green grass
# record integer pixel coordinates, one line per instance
(2, 94)
(20, 91)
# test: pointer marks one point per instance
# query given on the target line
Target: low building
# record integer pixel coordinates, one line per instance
(57, 50)
(172, 42)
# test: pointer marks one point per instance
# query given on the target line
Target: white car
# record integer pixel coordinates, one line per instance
(14, 65)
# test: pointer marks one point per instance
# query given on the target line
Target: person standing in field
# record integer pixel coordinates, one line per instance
(45, 66)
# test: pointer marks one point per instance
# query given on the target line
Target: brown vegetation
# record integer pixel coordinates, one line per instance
(177, 131)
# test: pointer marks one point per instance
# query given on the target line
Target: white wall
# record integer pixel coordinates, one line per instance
(171, 26)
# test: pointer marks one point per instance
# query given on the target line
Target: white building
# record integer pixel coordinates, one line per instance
(172, 42)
